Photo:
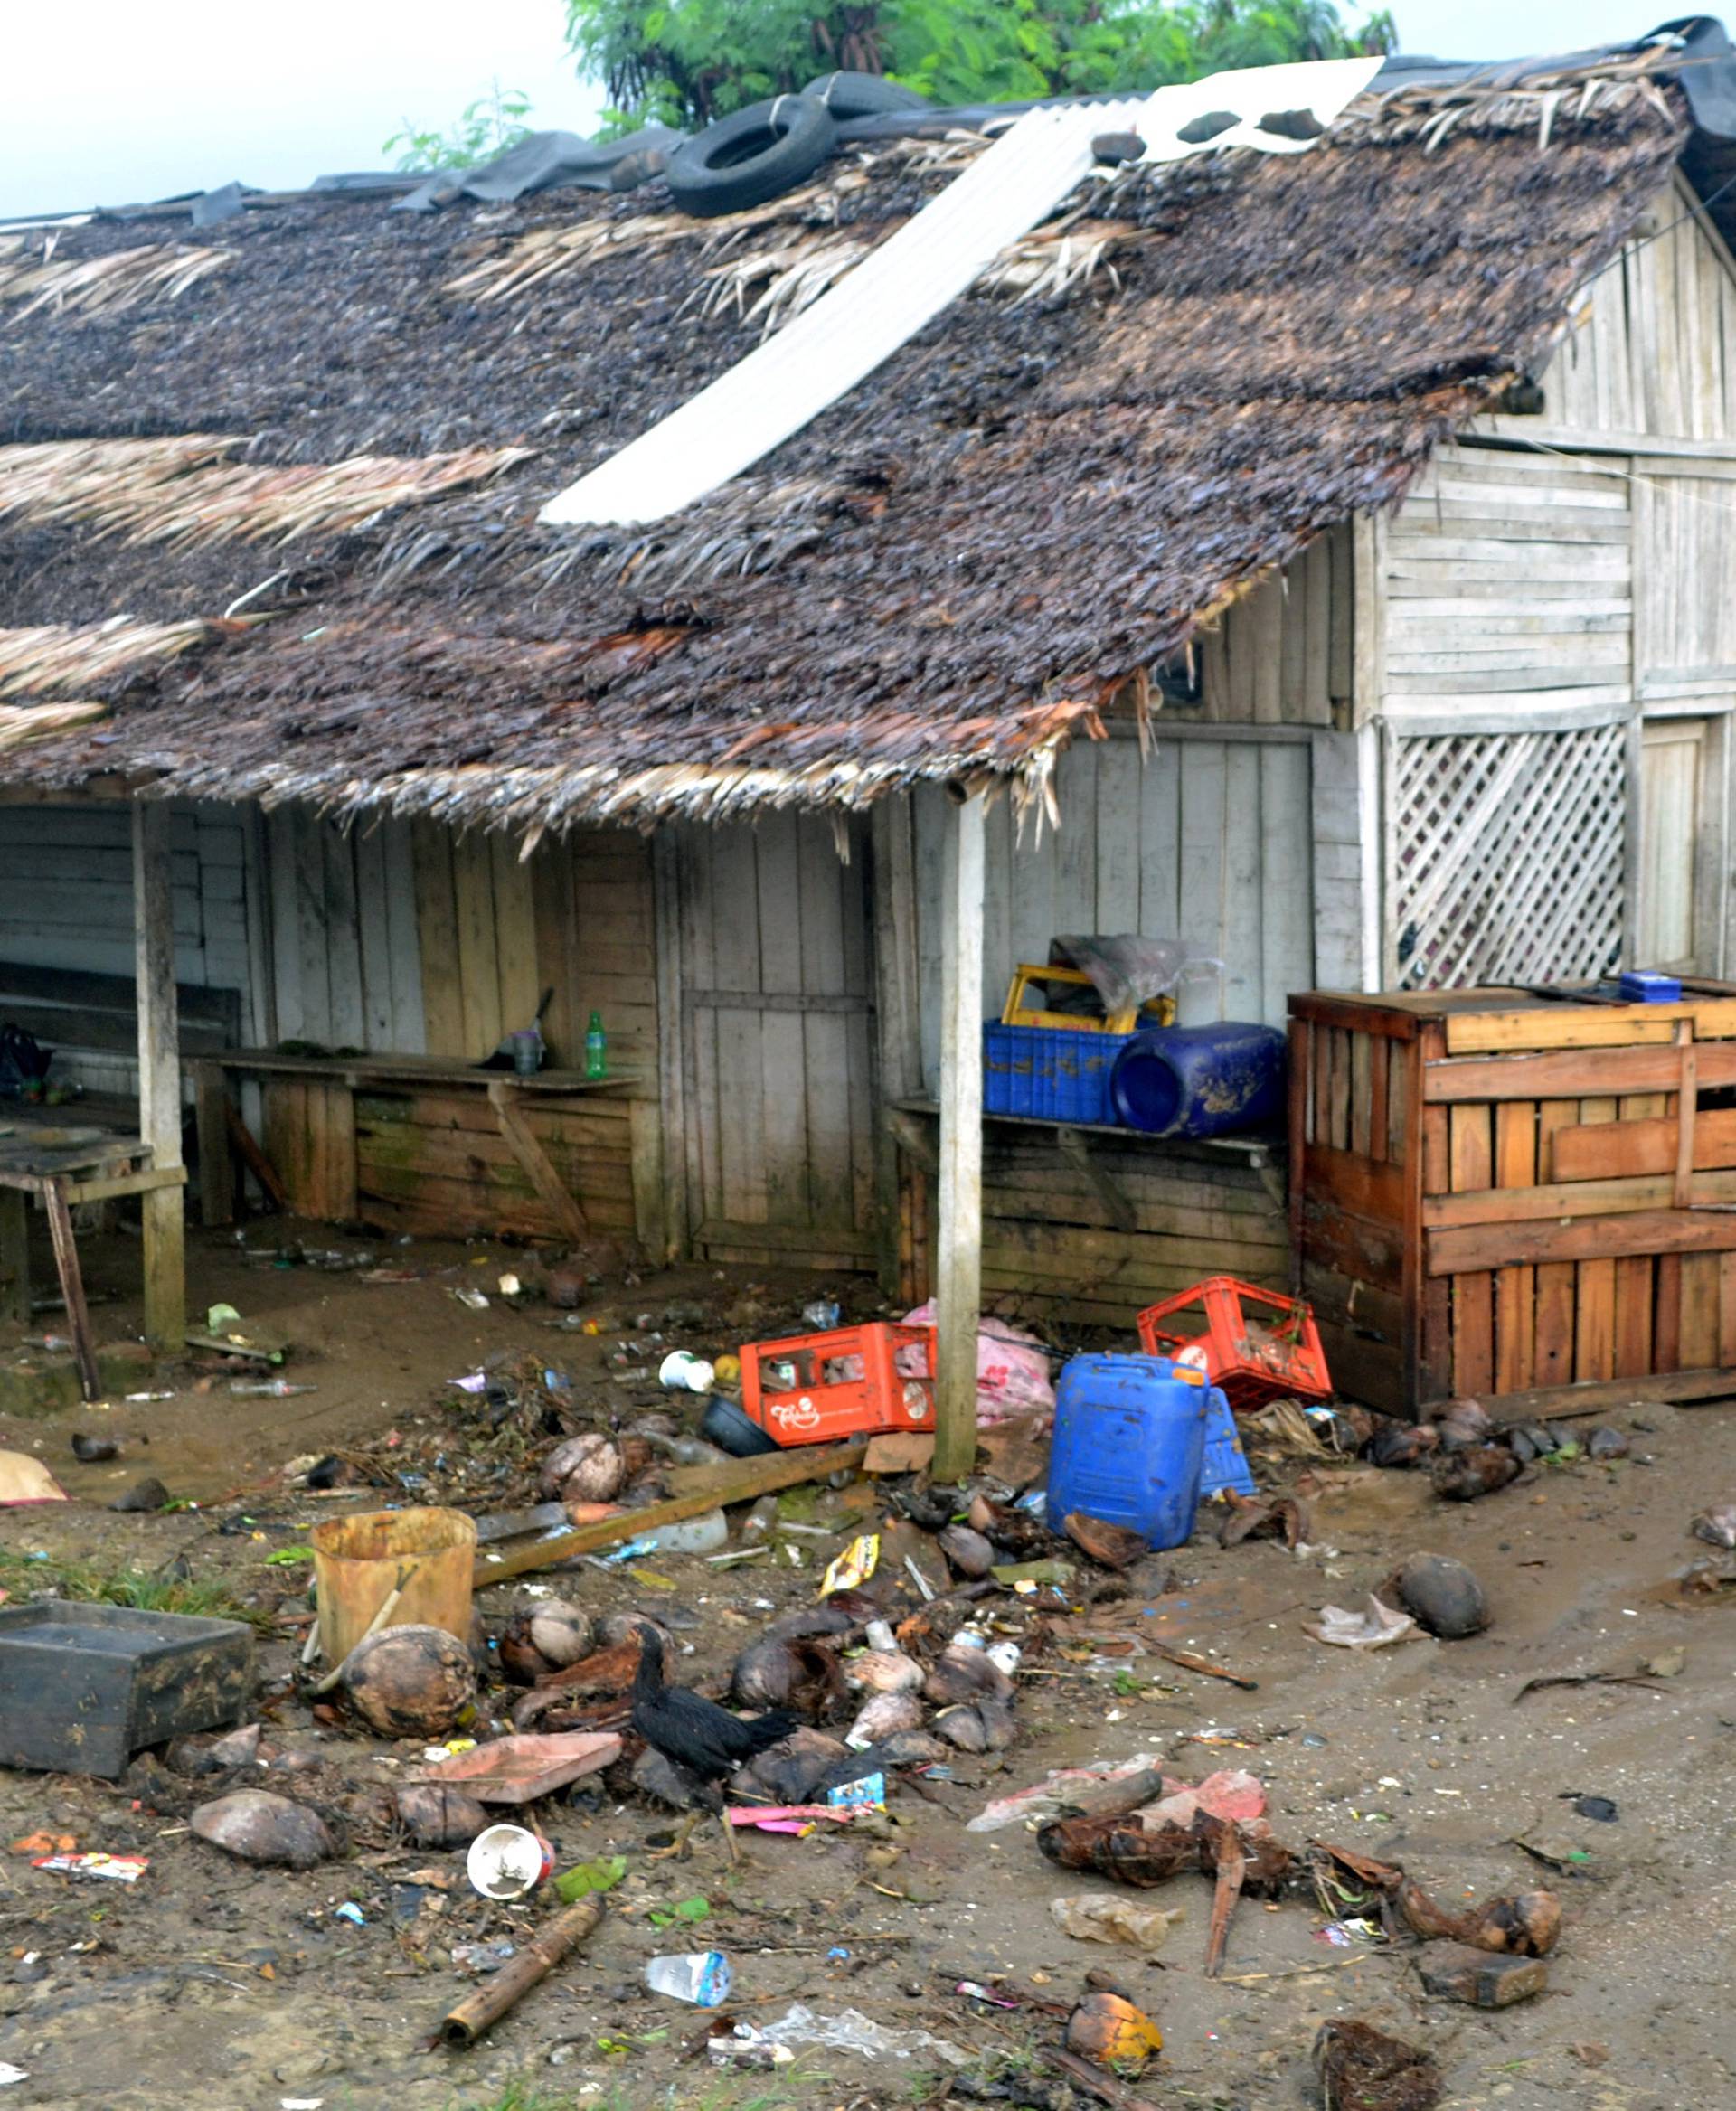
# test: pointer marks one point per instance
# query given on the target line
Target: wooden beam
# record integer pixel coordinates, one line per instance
(78, 1314)
(897, 1005)
(539, 1167)
(912, 1138)
(1682, 1388)
(254, 1158)
(119, 1184)
(160, 1076)
(1570, 1073)
(1077, 1152)
(737, 1483)
(1581, 1239)
(672, 1077)
(958, 1272)
(1687, 1108)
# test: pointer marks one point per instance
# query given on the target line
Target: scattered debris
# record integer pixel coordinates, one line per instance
(1482, 1981)
(702, 1977)
(508, 1861)
(520, 1769)
(115, 1869)
(1716, 1525)
(1374, 1629)
(1096, 1917)
(1362, 2068)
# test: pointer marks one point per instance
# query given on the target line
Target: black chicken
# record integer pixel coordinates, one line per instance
(701, 1739)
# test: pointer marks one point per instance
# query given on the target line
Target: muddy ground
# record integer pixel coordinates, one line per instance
(213, 1984)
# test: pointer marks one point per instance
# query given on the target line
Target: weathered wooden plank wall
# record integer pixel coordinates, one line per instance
(1653, 349)
(772, 935)
(66, 901)
(1281, 656)
(1209, 840)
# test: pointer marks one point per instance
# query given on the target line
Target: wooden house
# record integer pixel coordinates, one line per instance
(1323, 561)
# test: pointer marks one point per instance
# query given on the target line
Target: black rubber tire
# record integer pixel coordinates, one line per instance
(757, 154)
(863, 95)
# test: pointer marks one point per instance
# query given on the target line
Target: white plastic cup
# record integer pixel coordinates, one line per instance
(507, 1861)
(681, 1372)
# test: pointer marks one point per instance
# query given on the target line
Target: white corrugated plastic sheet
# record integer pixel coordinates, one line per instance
(929, 262)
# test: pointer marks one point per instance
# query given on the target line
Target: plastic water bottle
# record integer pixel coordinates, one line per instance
(703, 1977)
(596, 1047)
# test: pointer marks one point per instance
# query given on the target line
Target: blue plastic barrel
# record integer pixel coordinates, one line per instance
(1199, 1081)
(1128, 1444)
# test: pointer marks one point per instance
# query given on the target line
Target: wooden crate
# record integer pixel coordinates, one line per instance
(1492, 1189)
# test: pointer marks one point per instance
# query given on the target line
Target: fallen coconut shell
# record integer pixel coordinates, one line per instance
(561, 1633)
(1000, 1725)
(436, 1815)
(411, 1681)
(1462, 1477)
(616, 1629)
(884, 1716)
(791, 1771)
(884, 1671)
(804, 1674)
(254, 1825)
(1443, 1594)
(962, 1727)
(1111, 2031)
(1606, 1443)
(965, 1674)
(587, 1468)
(521, 1661)
(968, 1551)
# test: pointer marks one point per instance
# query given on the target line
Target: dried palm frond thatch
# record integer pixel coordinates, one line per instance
(173, 491)
(20, 723)
(103, 285)
(59, 657)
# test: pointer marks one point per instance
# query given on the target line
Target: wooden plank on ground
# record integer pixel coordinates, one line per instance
(1682, 1388)
(733, 1483)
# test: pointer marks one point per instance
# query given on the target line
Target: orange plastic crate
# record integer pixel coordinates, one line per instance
(853, 1381)
(1259, 1346)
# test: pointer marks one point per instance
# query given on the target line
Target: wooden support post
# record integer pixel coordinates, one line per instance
(539, 1167)
(958, 1272)
(159, 1077)
(216, 1149)
(14, 1256)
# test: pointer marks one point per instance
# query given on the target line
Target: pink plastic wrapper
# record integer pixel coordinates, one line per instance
(1012, 1369)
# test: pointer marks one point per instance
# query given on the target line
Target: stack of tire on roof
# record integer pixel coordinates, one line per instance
(761, 152)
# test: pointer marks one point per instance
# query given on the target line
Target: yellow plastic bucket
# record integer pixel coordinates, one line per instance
(358, 1562)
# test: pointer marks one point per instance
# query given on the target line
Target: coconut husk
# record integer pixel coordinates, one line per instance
(411, 1681)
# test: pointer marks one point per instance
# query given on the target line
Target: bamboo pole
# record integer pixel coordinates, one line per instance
(464, 2025)
(159, 1077)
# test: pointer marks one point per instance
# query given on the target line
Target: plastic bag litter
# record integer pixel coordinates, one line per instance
(1128, 971)
(851, 2031)
(1011, 1368)
(1372, 1629)
(1092, 1918)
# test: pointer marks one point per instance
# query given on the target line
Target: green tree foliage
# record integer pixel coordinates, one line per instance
(689, 62)
(488, 126)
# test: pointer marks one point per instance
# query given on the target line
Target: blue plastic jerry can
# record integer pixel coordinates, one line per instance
(1129, 1442)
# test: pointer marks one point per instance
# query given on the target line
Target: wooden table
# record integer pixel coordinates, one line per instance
(64, 1163)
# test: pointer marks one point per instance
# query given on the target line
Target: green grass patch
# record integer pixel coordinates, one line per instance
(143, 1589)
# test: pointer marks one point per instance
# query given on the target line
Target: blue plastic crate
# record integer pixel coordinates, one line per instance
(1226, 1464)
(1050, 1073)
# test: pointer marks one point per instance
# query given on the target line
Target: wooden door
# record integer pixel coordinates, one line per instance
(776, 1016)
(1679, 845)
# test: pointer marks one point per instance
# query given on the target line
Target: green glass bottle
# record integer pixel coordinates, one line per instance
(596, 1047)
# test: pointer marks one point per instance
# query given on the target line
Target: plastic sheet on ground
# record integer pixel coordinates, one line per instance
(1012, 1369)
(851, 2031)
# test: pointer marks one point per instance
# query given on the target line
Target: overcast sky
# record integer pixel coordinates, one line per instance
(108, 102)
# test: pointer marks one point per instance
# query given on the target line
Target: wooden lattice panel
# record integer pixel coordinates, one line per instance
(1507, 854)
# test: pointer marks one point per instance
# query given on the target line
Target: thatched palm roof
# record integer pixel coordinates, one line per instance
(270, 499)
